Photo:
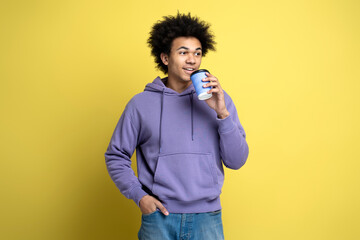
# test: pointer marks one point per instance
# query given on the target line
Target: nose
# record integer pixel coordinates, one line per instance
(190, 59)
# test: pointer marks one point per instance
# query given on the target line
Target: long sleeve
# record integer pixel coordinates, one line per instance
(118, 159)
(234, 149)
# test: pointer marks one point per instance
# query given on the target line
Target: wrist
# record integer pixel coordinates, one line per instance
(223, 115)
(143, 198)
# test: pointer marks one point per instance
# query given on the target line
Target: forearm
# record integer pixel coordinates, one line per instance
(234, 149)
(120, 171)
(118, 159)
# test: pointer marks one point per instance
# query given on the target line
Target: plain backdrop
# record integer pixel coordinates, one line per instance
(68, 69)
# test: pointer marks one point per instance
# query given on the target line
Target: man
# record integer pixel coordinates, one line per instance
(181, 142)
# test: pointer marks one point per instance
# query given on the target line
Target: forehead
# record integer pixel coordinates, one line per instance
(189, 42)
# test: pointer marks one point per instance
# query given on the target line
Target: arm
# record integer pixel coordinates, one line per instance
(118, 162)
(118, 158)
(234, 149)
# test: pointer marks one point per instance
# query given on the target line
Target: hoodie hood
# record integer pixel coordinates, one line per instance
(158, 86)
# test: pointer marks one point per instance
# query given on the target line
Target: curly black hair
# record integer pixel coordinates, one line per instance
(182, 25)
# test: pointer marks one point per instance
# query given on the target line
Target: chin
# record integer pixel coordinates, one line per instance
(187, 78)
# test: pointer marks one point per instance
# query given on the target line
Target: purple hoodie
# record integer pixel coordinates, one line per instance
(181, 147)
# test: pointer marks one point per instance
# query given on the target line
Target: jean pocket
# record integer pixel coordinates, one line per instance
(215, 212)
(186, 177)
(149, 214)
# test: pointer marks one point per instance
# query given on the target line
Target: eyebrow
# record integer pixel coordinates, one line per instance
(182, 47)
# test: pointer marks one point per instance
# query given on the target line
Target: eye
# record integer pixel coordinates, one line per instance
(182, 53)
(198, 54)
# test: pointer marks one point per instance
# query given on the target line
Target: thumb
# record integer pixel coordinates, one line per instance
(162, 208)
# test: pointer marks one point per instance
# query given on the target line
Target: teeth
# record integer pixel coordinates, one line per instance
(190, 69)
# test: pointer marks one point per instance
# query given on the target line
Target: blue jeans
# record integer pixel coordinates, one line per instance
(181, 226)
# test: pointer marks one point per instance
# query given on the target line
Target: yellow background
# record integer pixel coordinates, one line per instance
(68, 68)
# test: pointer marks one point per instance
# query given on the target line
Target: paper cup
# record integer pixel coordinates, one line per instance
(196, 78)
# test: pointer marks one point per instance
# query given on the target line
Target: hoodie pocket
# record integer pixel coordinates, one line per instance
(186, 177)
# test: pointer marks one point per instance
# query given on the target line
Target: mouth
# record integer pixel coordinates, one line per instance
(189, 70)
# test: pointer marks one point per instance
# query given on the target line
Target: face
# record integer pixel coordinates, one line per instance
(184, 58)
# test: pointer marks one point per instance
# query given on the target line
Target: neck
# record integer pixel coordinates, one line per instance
(176, 85)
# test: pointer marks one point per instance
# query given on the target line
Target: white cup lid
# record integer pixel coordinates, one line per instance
(204, 96)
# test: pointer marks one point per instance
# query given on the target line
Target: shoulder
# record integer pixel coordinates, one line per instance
(226, 94)
(140, 102)
(142, 98)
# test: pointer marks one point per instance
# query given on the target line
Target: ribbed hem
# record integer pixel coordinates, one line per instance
(225, 125)
(136, 194)
(176, 206)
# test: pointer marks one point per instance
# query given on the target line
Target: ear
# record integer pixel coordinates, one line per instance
(164, 58)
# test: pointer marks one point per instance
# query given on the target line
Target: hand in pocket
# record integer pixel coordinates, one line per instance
(149, 204)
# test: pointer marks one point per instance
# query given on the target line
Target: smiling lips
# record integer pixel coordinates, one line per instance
(189, 70)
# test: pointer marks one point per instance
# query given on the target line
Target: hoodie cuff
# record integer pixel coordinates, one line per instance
(225, 125)
(137, 193)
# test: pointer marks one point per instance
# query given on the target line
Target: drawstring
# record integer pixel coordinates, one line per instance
(192, 115)
(161, 115)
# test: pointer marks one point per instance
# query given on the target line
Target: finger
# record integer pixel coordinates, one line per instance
(213, 90)
(162, 208)
(209, 78)
(213, 84)
(209, 74)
